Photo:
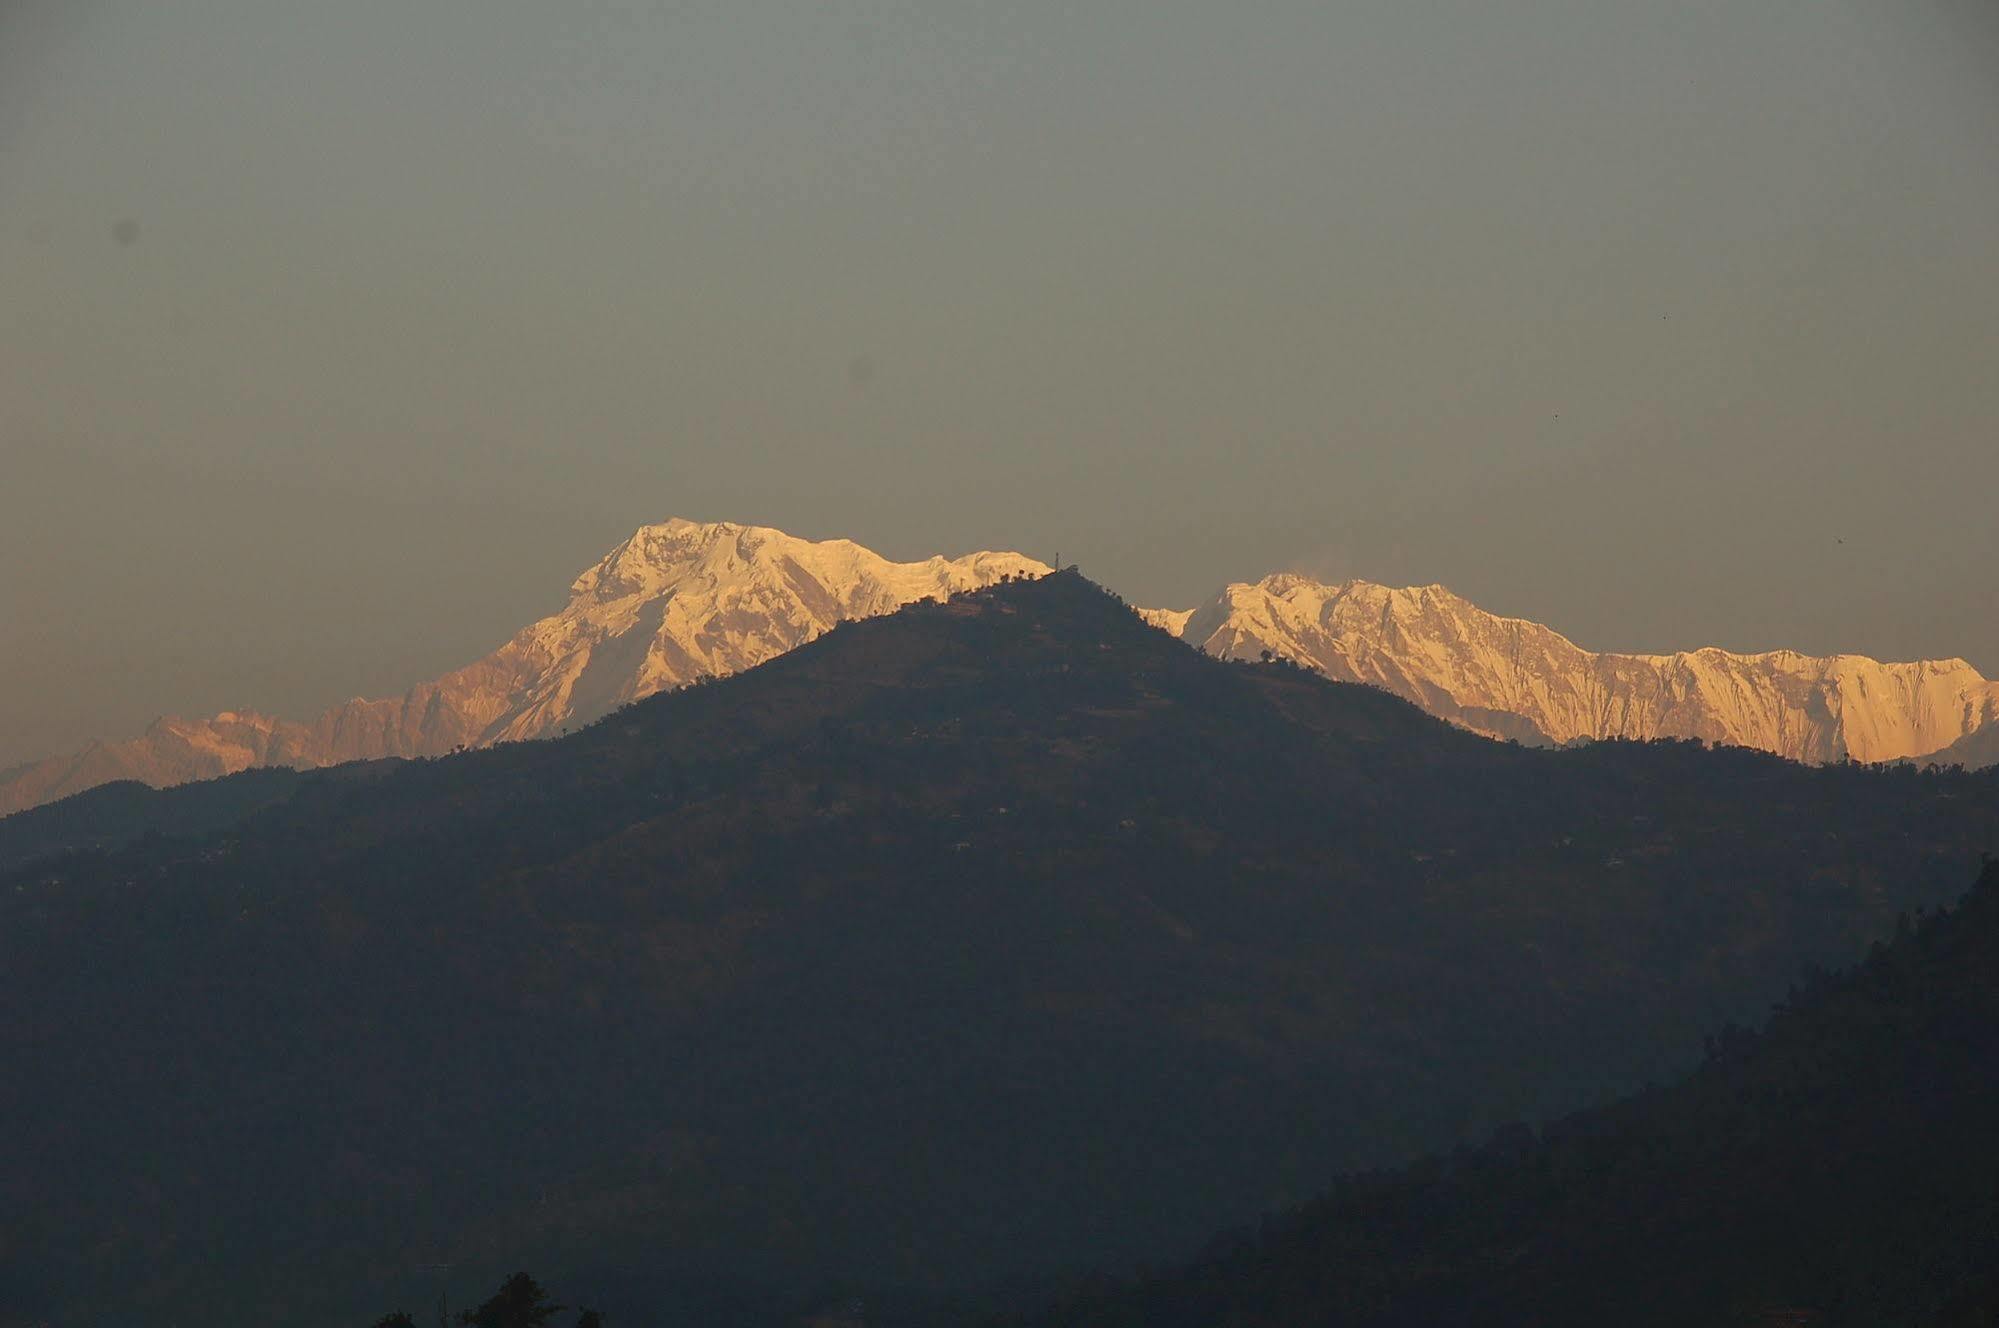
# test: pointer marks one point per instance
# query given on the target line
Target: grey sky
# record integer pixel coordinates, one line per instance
(335, 337)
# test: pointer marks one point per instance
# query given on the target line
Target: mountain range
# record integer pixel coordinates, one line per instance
(987, 939)
(1510, 678)
(681, 601)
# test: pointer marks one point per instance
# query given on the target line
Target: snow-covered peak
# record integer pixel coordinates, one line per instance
(1510, 677)
(675, 553)
(681, 600)
(677, 601)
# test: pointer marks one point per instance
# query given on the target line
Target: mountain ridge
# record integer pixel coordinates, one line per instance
(1515, 678)
(681, 600)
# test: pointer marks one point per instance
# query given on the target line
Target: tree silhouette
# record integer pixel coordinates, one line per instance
(519, 1303)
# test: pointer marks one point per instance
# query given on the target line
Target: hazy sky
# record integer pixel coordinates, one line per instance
(335, 338)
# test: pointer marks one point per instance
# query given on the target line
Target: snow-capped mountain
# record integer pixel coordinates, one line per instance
(675, 602)
(1507, 677)
(684, 599)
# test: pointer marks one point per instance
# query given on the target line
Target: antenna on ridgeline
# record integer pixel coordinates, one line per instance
(441, 1268)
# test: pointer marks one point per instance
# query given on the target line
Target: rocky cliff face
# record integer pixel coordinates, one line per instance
(1511, 678)
(675, 602)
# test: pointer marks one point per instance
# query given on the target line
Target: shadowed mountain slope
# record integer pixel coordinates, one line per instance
(937, 950)
(1838, 1169)
(112, 815)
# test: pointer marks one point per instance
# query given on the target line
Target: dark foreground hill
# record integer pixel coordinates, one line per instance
(1840, 1168)
(113, 815)
(986, 939)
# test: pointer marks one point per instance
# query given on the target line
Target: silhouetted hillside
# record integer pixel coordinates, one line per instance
(989, 938)
(112, 815)
(1840, 1168)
